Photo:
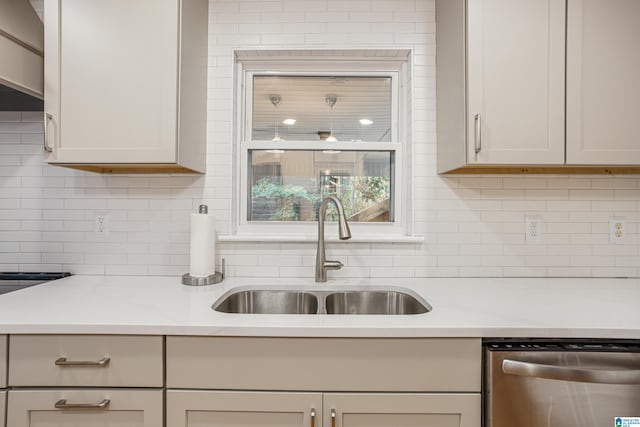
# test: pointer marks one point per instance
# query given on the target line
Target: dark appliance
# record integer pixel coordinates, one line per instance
(562, 383)
(14, 281)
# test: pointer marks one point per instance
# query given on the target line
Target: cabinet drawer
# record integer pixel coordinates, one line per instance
(316, 364)
(113, 407)
(3, 361)
(85, 360)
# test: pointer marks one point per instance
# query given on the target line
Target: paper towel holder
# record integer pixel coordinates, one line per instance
(211, 279)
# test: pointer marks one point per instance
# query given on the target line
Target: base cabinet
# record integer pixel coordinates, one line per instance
(196, 408)
(323, 382)
(401, 410)
(270, 409)
(85, 408)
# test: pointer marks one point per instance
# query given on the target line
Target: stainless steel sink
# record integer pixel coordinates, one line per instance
(374, 302)
(322, 301)
(268, 302)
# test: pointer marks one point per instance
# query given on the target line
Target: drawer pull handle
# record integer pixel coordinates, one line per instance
(333, 418)
(101, 363)
(313, 418)
(62, 404)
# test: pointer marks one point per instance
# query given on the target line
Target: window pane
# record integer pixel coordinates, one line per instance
(289, 185)
(346, 107)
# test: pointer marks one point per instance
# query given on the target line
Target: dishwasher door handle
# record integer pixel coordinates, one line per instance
(562, 373)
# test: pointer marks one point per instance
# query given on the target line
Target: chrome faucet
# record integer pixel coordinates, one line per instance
(322, 265)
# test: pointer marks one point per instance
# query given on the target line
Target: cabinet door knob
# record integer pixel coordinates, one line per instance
(313, 418)
(62, 361)
(333, 418)
(62, 404)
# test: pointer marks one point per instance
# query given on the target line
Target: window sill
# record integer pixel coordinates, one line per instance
(391, 238)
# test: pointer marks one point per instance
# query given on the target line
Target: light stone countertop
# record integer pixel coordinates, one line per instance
(462, 307)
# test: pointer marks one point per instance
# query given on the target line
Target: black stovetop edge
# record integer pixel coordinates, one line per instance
(32, 275)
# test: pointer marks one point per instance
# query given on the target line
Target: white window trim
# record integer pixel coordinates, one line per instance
(399, 69)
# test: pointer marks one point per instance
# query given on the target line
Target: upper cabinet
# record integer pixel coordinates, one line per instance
(125, 85)
(515, 83)
(21, 55)
(603, 89)
(501, 85)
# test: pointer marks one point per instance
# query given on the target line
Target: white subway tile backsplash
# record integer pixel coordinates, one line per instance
(132, 270)
(371, 17)
(570, 183)
(62, 258)
(79, 269)
(392, 272)
(18, 258)
(527, 272)
(280, 39)
(264, 271)
(326, 18)
(10, 116)
(480, 271)
(472, 225)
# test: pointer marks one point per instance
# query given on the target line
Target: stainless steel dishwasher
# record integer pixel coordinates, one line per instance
(561, 383)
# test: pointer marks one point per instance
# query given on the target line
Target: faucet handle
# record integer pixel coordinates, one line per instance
(333, 265)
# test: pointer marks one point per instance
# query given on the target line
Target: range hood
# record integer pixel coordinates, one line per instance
(21, 57)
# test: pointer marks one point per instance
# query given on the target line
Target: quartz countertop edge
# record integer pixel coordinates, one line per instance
(462, 307)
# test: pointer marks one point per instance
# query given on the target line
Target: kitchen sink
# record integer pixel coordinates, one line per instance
(322, 302)
(268, 302)
(374, 302)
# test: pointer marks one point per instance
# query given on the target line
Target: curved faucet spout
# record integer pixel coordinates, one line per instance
(322, 265)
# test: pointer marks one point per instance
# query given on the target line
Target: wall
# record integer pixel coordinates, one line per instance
(473, 226)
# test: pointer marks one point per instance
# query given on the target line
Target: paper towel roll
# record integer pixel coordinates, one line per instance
(202, 255)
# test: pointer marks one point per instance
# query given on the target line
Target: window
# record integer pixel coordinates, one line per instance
(310, 127)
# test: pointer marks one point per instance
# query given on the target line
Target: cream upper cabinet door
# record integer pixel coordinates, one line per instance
(515, 69)
(3, 361)
(223, 409)
(3, 405)
(111, 80)
(402, 410)
(603, 88)
(69, 408)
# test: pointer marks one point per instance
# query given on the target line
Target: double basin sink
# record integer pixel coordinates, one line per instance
(320, 302)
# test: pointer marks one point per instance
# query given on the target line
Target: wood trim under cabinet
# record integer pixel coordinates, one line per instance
(114, 168)
(544, 170)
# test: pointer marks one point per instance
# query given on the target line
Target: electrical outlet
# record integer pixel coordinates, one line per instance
(617, 230)
(102, 225)
(533, 229)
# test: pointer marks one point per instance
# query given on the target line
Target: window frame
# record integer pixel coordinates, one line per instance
(397, 68)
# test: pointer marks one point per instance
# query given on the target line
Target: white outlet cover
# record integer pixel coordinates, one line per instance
(101, 228)
(617, 230)
(533, 228)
